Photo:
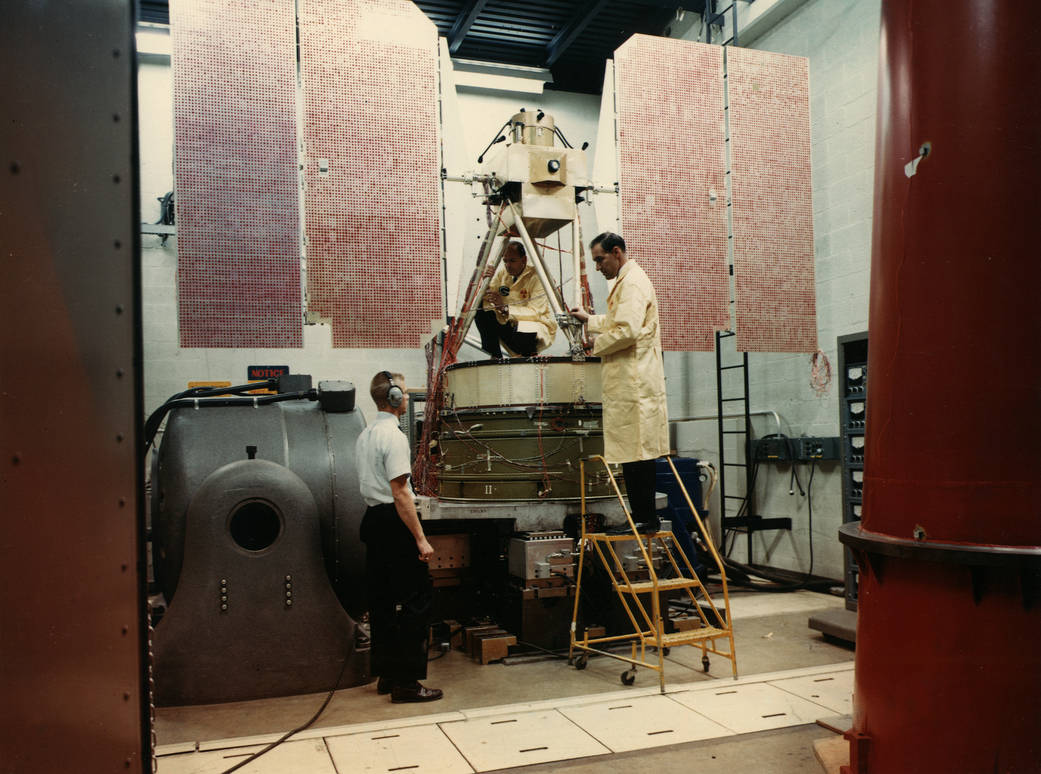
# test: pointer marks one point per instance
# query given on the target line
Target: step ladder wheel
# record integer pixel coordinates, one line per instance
(705, 662)
(629, 676)
(581, 660)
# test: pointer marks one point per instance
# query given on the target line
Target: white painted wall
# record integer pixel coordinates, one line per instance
(840, 38)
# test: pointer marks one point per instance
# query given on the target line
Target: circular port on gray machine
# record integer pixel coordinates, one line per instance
(255, 525)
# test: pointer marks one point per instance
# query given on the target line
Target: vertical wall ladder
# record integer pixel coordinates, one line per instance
(736, 511)
(732, 505)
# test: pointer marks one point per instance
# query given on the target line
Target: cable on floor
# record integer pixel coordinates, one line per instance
(277, 742)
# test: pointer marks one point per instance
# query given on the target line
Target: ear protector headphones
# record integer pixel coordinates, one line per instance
(394, 393)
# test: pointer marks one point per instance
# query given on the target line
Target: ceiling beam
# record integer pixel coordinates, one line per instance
(154, 11)
(560, 42)
(463, 22)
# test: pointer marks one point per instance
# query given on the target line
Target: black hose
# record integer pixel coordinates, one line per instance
(298, 729)
(199, 397)
(495, 139)
(238, 389)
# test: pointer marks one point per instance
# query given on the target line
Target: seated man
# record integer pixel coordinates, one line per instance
(516, 312)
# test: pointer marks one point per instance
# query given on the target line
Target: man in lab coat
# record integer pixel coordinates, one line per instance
(628, 341)
(516, 313)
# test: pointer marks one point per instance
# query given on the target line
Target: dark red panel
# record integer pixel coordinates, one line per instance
(238, 223)
(948, 664)
(369, 71)
(672, 181)
(955, 318)
(775, 294)
(73, 687)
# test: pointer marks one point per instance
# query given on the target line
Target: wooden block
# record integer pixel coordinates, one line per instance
(494, 647)
(686, 623)
(832, 753)
(456, 633)
(450, 551)
(470, 631)
(592, 632)
(475, 640)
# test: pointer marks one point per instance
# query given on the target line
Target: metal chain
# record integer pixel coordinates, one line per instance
(151, 692)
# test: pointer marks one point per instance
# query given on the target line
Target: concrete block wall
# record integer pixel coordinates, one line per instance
(840, 38)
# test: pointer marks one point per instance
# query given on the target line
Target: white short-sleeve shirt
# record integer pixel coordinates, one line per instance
(383, 454)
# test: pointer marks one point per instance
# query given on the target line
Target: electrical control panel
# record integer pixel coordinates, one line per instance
(811, 449)
(773, 449)
(853, 377)
(783, 449)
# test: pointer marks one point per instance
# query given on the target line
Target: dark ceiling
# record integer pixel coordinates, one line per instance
(571, 37)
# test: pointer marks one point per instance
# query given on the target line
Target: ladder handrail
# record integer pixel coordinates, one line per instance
(628, 517)
(654, 635)
(708, 541)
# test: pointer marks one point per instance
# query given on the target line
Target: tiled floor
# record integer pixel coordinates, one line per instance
(549, 717)
(495, 738)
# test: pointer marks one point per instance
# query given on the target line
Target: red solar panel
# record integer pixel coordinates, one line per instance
(672, 181)
(775, 292)
(238, 243)
(369, 71)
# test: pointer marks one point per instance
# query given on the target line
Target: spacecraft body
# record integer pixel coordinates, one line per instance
(537, 175)
(516, 429)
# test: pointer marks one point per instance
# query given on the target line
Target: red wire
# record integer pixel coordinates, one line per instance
(820, 372)
(548, 487)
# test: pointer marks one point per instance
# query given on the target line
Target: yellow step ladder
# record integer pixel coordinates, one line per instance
(645, 614)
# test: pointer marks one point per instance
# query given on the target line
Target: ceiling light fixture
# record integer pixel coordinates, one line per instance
(153, 40)
(493, 76)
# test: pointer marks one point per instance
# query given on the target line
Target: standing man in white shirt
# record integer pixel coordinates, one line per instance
(400, 590)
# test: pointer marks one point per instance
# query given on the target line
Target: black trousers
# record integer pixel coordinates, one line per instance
(400, 593)
(492, 332)
(640, 484)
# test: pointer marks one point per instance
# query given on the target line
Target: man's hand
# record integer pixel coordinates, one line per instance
(495, 298)
(406, 508)
(579, 314)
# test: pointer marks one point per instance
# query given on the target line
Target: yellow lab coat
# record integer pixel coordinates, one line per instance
(529, 307)
(636, 424)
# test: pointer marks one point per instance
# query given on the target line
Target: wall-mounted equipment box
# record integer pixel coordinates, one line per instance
(815, 449)
(853, 373)
(773, 449)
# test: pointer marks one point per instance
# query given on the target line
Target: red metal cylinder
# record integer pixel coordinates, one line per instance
(948, 662)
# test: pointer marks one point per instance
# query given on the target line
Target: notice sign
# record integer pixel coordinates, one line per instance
(257, 372)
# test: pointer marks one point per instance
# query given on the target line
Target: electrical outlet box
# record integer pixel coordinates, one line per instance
(772, 450)
(811, 449)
